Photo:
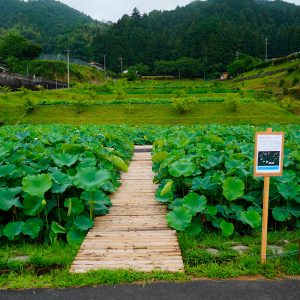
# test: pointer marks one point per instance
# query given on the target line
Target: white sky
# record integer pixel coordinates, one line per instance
(112, 10)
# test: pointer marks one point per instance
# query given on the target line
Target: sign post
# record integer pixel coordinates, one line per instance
(268, 161)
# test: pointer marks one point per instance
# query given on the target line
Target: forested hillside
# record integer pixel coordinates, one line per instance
(52, 24)
(212, 31)
(200, 39)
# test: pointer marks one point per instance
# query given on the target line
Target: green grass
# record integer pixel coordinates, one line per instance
(138, 114)
(55, 261)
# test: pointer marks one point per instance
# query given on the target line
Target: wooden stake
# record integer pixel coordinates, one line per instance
(263, 254)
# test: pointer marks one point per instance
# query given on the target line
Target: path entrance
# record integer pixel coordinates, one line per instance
(135, 234)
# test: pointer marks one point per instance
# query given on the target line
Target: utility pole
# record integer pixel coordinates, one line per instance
(266, 58)
(104, 62)
(121, 62)
(68, 59)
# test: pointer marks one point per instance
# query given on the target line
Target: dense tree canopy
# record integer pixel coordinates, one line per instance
(13, 45)
(200, 39)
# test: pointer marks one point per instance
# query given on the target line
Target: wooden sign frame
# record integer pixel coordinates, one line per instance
(281, 154)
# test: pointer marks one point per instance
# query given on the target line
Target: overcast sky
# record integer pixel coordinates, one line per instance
(112, 10)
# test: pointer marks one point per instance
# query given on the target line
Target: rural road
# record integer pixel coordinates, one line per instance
(203, 289)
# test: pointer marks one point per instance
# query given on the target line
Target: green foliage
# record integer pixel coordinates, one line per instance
(184, 105)
(53, 177)
(211, 170)
(242, 65)
(13, 45)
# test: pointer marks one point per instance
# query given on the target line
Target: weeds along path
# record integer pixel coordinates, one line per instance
(135, 234)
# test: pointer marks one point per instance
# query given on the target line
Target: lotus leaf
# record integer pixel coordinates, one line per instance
(74, 205)
(91, 179)
(233, 188)
(37, 185)
(281, 214)
(33, 205)
(7, 170)
(7, 198)
(194, 202)
(75, 236)
(227, 228)
(252, 218)
(83, 223)
(194, 229)
(182, 167)
(180, 218)
(13, 229)
(119, 162)
(167, 188)
(56, 228)
(32, 227)
(159, 156)
(64, 159)
(289, 190)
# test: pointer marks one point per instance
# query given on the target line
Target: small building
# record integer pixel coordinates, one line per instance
(224, 76)
(3, 69)
(96, 65)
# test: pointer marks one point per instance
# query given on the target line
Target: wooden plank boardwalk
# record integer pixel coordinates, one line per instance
(135, 234)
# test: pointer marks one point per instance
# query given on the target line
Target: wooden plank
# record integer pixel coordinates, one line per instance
(135, 234)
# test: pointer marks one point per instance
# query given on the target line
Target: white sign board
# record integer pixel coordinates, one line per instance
(268, 158)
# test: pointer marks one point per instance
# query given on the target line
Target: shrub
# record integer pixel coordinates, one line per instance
(30, 106)
(233, 104)
(281, 83)
(184, 105)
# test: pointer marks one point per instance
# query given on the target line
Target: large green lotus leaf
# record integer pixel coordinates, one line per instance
(166, 198)
(182, 167)
(7, 170)
(100, 209)
(7, 198)
(194, 202)
(167, 188)
(32, 227)
(296, 155)
(289, 190)
(98, 197)
(74, 205)
(233, 188)
(288, 176)
(251, 217)
(13, 229)
(211, 210)
(75, 236)
(194, 229)
(57, 228)
(180, 218)
(83, 223)
(293, 208)
(37, 185)
(91, 179)
(205, 183)
(159, 156)
(233, 164)
(281, 214)
(64, 159)
(227, 228)
(212, 161)
(33, 205)
(119, 162)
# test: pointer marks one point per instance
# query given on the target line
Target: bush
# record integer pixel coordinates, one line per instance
(295, 81)
(233, 105)
(184, 105)
(30, 106)
(281, 83)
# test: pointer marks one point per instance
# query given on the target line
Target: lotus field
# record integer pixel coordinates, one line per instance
(206, 179)
(54, 179)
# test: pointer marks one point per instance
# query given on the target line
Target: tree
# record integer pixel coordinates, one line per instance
(242, 64)
(13, 45)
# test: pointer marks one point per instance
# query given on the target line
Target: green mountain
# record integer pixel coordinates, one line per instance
(213, 31)
(52, 24)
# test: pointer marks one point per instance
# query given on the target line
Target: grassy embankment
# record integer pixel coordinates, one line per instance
(48, 266)
(150, 103)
